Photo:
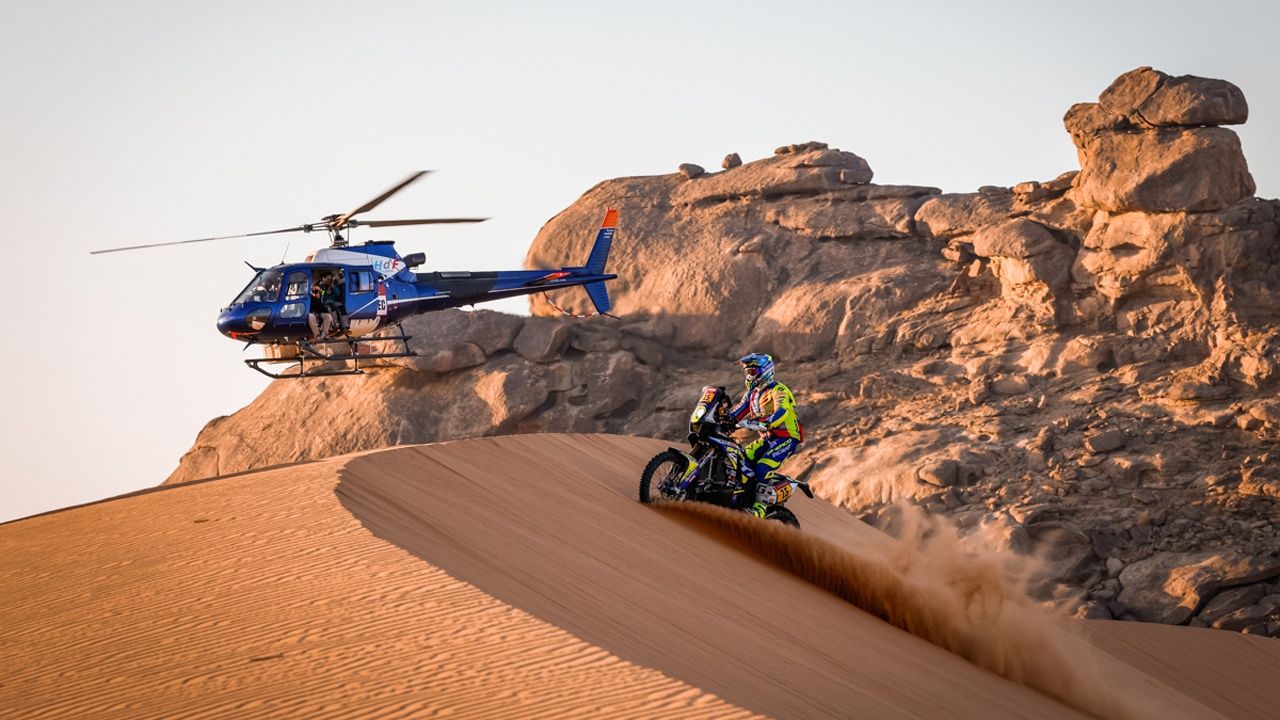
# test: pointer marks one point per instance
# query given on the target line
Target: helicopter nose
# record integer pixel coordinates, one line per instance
(238, 324)
(230, 325)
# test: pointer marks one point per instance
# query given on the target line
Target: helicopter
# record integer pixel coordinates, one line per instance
(379, 289)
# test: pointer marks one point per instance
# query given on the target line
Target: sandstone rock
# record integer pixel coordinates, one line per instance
(1190, 101)
(1085, 120)
(512, 394)
(1182, 257)
(1062, 183)
(1149, 98)
(1267, 609)
(493, 331)
(1163, 170)
(1171, 587)
(1006, 532)
(1128, 92)
(593, 336)
(1114, 566)
(943, 473)
(1196, 391)
(830, 218)
(1248, 423)
(787, 174)
(1268, 411)
(542, 339)
(1093, 610)
(691, 170)
(800, 148)
(732, 160)
(1126, 472)
(862, 192)
(958, 252)
(951, 214)
(1106, 441)
(450, 359)
(1018, 238)
(1260, 481)
(1067, 551)
(1010, 385)
(1229, 601)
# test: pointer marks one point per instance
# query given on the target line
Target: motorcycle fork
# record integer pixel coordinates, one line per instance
(694, 466)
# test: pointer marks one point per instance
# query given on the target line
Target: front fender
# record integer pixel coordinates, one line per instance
(690, 467)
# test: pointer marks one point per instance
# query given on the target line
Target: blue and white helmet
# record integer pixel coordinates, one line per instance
(757, 368)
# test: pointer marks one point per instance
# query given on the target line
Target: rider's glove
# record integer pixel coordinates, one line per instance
(753, 425)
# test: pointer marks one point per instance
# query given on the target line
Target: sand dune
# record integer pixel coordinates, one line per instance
(512, 577)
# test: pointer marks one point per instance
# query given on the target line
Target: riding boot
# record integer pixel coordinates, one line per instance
(765, 496)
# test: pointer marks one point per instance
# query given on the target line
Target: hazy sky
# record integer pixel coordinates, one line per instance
(136, 122)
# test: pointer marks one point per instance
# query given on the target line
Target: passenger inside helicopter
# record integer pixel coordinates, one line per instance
(265, 287)
(319, 318)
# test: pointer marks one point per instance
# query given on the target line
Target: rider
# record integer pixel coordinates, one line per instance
(769, 408)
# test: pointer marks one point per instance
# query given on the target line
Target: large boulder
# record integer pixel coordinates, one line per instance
(1190, 101)
(1145, 98)
(1150, 144)
(1033, 266)
(542, 339)
(1150, 98)
(1163, 170)
(1187, 256)
(1172, 587)
(954, 214)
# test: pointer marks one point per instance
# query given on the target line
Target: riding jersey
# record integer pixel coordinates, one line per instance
(773, 405)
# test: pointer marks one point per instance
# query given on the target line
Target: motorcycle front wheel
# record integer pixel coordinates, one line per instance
(660, 475)
(782, 515)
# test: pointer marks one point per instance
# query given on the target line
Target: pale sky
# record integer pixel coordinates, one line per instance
(137, 122)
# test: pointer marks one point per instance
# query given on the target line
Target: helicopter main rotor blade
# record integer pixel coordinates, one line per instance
(424, 221)
(300, 228)
(341, 221)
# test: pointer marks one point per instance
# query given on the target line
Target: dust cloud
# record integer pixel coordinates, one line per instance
(955, 593)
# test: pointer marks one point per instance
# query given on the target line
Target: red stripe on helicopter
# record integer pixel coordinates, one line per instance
(551, 277)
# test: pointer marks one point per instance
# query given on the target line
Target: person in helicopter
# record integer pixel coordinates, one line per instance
(769, 408)
(319, 317)
(335, 299)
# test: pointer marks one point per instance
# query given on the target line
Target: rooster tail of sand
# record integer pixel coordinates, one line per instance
(956, 594)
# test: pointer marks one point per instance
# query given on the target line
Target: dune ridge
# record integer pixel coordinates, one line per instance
(507, 577)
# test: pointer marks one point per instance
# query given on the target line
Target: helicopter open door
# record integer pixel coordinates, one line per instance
(366, 302)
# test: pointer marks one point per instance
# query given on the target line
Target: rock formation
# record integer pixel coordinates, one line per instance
(1082, 367)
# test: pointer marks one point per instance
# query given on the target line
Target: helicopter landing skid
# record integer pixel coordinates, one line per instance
(309, 351)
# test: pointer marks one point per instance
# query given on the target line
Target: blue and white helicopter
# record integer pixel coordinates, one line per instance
(378, 289)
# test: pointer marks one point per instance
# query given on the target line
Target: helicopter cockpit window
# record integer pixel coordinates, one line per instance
(265, 287)
(297, 286)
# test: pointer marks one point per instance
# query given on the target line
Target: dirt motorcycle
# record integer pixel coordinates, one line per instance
(712, 470)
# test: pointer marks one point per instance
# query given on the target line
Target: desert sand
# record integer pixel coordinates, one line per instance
(518, 577)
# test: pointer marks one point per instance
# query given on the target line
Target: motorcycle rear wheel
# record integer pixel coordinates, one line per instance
(663, 470)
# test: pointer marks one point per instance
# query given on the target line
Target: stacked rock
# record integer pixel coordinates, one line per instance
(1152, 143)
